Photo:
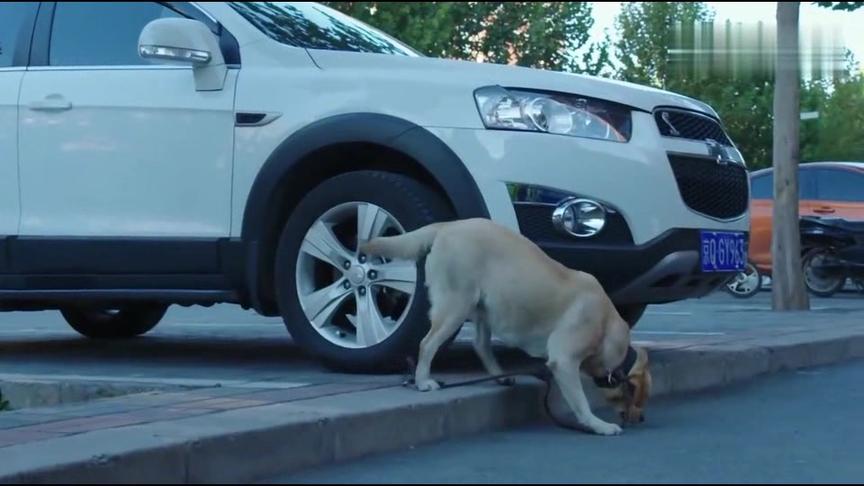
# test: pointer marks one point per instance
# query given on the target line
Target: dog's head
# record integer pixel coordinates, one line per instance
(631, 394)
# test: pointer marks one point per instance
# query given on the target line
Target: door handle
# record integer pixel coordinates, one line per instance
(824, 210)
(50, 103)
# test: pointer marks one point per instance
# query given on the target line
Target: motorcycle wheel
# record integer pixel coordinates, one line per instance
(818, 282)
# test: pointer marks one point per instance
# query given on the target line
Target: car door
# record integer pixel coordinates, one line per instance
(762, 212)
(841, 193)
(761, 207)
(16, 27)
(808, 196)
(112, 145)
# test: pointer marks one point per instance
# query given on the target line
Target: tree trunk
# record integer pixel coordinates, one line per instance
(787, 282)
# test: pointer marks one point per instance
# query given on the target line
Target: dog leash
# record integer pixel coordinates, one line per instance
(542, 373)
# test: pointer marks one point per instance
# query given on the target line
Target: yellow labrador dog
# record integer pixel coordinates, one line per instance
(479, 271)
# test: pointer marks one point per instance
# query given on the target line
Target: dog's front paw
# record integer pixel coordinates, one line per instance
(604, 428)
(428, 385)
(509, 381)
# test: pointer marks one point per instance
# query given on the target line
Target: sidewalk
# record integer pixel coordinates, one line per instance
(238, 434)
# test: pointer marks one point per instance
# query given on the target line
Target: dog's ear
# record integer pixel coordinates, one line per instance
(640, 380)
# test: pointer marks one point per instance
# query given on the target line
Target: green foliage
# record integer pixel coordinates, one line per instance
(647, 32)
(848, 6)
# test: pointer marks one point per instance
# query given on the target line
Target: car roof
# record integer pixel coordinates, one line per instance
(828, 164)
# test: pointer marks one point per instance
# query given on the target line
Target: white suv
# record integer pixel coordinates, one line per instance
(178, 153)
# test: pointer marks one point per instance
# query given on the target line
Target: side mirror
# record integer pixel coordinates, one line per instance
(185, 41)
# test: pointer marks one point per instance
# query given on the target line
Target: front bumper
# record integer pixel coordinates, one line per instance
(636, 177)
(665, 269)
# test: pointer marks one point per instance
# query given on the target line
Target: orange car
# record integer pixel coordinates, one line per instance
(833, 189)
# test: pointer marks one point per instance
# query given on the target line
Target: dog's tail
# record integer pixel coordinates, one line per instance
(409, 246)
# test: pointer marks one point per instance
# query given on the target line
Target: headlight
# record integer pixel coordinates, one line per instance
(557, 113)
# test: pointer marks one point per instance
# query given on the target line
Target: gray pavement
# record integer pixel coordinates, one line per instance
(226, 345)
(798, 427)
(246, 389)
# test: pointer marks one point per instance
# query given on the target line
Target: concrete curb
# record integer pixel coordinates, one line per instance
(261, 442)
(26, 394)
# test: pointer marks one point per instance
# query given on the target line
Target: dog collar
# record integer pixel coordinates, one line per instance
(619, 375)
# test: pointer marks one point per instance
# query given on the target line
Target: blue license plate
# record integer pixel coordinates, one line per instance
(723, 251)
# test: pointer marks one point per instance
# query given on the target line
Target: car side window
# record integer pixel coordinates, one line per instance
(840, 185)
(16, 25)
(101, 33)
(761, 187)
(807, 184)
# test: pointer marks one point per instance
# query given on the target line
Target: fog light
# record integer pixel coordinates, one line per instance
(579, 217)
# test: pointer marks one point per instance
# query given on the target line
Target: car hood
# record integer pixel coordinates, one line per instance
(476, 75)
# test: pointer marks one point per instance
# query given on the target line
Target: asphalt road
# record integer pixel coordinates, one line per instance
(204, 346)
(802, 427)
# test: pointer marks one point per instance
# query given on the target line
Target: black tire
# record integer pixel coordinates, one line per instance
(735, 288)
(632, 313)
(124, 322)
(413, 205)
(832, 285)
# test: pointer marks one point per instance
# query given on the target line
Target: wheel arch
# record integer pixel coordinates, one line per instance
(336, 145)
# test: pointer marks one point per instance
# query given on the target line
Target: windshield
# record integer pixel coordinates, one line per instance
(314, 26)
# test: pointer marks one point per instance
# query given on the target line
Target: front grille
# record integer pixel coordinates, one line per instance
(710, 188)
(683, 124)
(535, 223)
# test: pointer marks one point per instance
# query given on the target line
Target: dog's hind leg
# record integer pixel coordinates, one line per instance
(483, 348)
(565, 363)
(447, 316)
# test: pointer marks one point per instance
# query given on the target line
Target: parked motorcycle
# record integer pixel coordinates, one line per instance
(833, 250)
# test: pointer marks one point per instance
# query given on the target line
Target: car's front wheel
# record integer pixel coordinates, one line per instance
(356, 312)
